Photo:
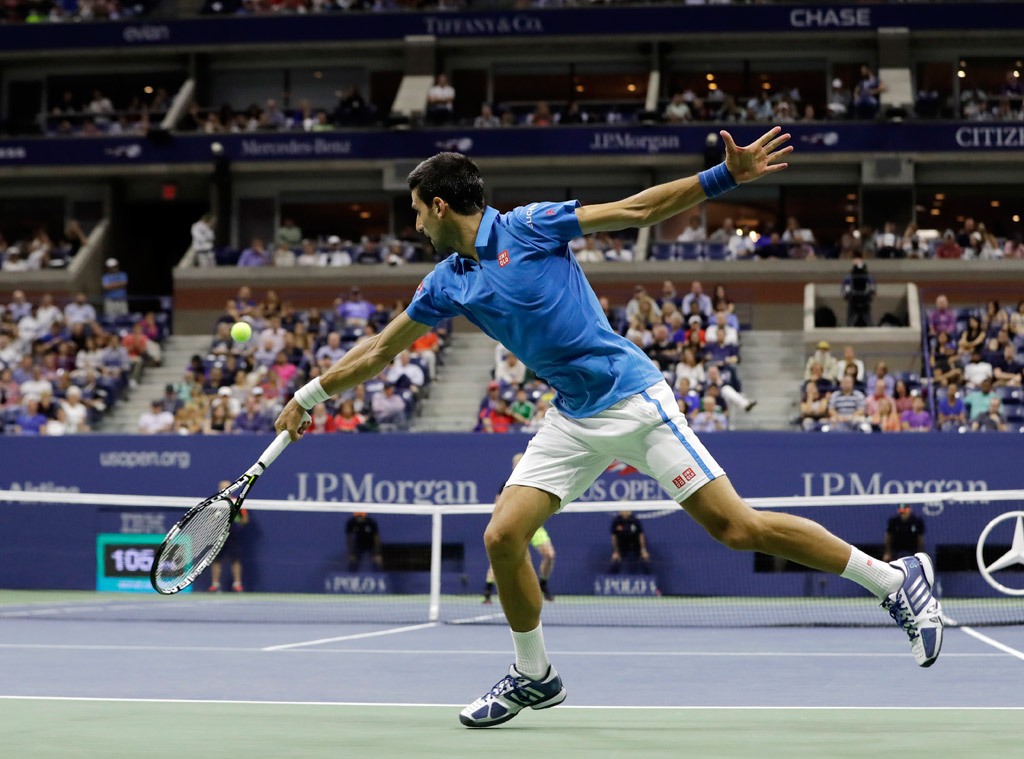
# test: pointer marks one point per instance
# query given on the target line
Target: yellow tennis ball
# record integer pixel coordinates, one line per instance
(241, 331)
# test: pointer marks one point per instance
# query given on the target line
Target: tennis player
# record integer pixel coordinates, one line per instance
(514, 277)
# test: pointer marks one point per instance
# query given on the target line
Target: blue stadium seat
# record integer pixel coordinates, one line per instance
(227, 256)
(662, 251)
(690, 251)
(1015, 414)
(1010, 395)
(716, 251)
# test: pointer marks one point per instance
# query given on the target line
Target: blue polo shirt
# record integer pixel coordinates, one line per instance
(529, 293)
(119, 278)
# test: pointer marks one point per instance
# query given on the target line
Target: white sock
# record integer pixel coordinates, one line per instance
(531, 658)
(874, 574)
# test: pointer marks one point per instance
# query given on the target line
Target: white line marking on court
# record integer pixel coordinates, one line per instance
(481, 618)
(630, 654)
(695, 707)
(473, 652)
(992, 642)
(110, 647)
(390, 631)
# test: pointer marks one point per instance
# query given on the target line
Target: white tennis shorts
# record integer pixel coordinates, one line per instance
(646, 431)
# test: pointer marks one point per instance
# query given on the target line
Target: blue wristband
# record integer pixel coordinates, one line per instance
(717, 181)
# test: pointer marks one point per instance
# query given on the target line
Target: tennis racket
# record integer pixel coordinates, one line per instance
(194, 542)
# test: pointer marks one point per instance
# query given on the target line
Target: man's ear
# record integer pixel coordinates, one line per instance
(440, 207)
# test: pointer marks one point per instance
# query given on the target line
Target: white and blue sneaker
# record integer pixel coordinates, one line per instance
(511, 695)
(915, 609)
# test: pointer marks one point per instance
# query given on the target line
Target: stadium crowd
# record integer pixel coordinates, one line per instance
(37, 250)
(73, 11)
(972, 380)
(241, 387)
(291, 247)
(62, 368)
(693, 338)
(1004, 104)
(95, 115)
(352, 109)
(972, 240)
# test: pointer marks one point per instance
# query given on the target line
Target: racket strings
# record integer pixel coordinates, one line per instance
(195, 544)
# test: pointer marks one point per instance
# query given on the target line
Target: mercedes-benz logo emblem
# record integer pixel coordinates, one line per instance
(1014, 556)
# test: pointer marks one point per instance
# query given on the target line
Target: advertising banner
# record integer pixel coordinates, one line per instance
(526, 23)
(637, 140)
(74, 546)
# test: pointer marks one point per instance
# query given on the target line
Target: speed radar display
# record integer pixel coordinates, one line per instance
(123, 562)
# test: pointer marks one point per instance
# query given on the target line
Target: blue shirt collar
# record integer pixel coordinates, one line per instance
(483, 234)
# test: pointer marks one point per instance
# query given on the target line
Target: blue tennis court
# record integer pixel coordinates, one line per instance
(95, 688)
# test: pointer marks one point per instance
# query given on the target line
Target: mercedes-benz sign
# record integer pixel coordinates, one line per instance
(1014, 556)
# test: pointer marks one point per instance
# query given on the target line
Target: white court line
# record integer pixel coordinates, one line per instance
(390, 631)
(481, 618)
(992, 642)
(472, 652)
(112, 647)
(695, 707)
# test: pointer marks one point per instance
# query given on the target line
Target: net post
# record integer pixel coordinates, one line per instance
(435, 566)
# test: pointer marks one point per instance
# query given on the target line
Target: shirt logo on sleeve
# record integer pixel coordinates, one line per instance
(420, 288)
(503, 257)
(550, 213)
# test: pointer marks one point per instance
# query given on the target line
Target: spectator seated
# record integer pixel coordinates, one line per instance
(291, 348)
(71, 364)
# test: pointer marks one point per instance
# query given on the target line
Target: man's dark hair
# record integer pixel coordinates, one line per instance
(452, 177)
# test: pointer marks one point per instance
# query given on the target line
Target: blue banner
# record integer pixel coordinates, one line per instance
(316, 147)
(655, 21)
(55, 546)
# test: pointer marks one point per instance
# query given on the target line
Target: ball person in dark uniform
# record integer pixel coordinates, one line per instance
(628, 542)
(904, 535)
(230, 552)
(362, 536)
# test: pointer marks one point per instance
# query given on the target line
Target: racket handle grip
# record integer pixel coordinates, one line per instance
(274, 450)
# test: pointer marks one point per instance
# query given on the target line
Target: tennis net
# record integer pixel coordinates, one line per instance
(87, 556)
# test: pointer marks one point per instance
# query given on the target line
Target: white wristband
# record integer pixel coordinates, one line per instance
(311, 394)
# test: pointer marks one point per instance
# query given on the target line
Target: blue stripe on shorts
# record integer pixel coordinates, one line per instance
(678, 434)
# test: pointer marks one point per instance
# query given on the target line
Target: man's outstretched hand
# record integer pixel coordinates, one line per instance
(758, 158)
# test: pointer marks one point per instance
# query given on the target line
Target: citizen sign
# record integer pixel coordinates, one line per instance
(990, 137)
(830, 18)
